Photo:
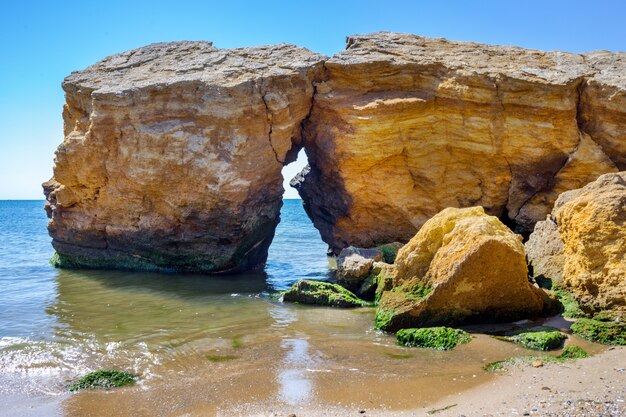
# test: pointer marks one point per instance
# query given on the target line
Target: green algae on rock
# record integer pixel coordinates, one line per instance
(104, 379)
(538, 339)
(389, 251)
(573, 352)
(605, 332)
(439, 338)
(569, 352)
(571, 308)
(322, 293)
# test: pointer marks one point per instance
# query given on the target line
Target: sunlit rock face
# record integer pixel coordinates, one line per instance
(173, 153)
(462, 266)
(590, 225)
(405, 126)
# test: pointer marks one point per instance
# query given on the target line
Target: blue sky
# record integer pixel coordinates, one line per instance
(42, 42)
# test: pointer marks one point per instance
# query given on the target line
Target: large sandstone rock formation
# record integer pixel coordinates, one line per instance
(405, 126)
(462, 266)
(591, 229)
(173, 153)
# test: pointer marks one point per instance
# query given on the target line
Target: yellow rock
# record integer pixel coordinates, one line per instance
(173, 154)
(462, 266)
(405, 126)
(592, 226)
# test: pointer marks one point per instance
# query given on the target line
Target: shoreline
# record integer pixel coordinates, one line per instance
(591, 386)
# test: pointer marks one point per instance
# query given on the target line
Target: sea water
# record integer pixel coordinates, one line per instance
(201, 343)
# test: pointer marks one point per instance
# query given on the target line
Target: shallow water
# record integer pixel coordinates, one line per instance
(202, 344)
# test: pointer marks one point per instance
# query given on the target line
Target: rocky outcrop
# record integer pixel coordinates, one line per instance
(322, 293)
(404, 126)
(173, 153)
(591, 226)
(462, 266)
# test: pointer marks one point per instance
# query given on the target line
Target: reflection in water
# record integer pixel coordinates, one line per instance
(295, 386)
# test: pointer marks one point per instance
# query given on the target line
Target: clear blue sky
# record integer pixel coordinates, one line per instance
(42, 42)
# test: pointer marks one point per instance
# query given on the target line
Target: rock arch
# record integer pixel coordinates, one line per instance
(172, 152)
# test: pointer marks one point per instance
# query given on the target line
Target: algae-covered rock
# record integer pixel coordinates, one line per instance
(605, 332)
(539, 339)
(568, 353)
(322, 293)
(462, 266)
(439, 338)
(104, 379)
(572, 352)
(390, 251)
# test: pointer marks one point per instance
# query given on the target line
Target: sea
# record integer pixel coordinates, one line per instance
(201, 344)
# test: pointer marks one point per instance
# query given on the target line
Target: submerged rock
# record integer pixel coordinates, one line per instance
(462, 266)
(588, 225)
(104, 379)
(405, 126)
(173, 153)
(322, 293)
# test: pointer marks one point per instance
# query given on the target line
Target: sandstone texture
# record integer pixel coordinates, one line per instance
(173, 153)
(462, 266)
(591, 226)
(405, 126)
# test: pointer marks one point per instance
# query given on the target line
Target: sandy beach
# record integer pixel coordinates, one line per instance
(594, 386)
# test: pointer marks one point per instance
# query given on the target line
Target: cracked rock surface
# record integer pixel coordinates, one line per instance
(173, 153)
(405, 126)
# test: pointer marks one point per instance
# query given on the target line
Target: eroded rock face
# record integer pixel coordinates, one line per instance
(405, 126)
(173, 153)
(592, 226)
(462, 266)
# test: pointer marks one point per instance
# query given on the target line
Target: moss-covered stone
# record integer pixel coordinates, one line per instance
(322, 293)
(104, 379)
(156, 263)
(538, 339)
(605, 332)
(390, 251)
(569, 352)
(383, 318)
(572, 352)
(439, 338)
(571, 308)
